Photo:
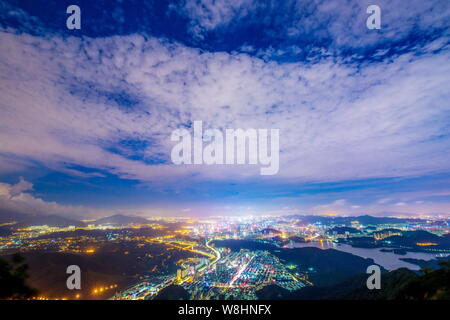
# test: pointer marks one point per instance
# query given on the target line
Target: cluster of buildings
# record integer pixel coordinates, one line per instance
(238, 275)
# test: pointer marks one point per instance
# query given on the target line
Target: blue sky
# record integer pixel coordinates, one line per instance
(86, 115)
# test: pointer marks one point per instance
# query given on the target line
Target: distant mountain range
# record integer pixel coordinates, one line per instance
(417, 240)
(26, 220)
(343, 230)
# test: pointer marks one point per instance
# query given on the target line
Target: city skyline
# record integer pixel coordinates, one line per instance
(246, 258)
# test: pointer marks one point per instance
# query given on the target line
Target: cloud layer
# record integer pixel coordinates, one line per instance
(16, 198)
(70, 101)
(91, 106)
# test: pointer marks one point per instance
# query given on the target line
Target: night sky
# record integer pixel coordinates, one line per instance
(86, 115)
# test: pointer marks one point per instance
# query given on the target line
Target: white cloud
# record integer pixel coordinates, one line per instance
(338, 120)
(15, 198)
(20, 187)
(400, 204)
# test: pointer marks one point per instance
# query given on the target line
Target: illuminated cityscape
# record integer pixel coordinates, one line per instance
(220, 258)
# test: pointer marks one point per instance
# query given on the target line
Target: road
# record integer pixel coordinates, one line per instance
(188, 247)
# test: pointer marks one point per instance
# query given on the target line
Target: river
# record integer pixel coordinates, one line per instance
(388, 260)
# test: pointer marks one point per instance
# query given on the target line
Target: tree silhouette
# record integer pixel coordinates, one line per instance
(445, 264)
(431, 285)
(13, 277)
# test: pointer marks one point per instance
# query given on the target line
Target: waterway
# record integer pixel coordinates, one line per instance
(388, 260)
